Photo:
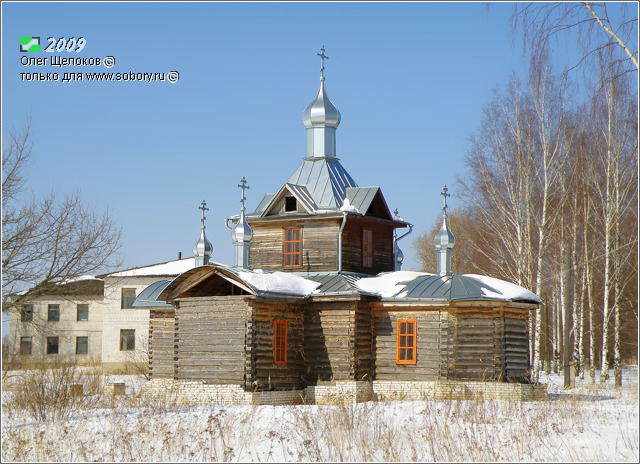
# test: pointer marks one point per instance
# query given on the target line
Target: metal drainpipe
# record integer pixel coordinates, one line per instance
(406, 233)
(344, 221)
(398, 239)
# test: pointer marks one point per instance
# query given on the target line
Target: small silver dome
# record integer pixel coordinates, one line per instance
(321, 112)
(399, 255)
(242, 232)
(203, 248)
(444, 238)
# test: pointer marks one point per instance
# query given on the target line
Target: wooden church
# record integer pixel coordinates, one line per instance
(316, 297)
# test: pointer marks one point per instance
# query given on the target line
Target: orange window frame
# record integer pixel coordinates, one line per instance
(406, 341)
(280, 342)
(367, 247)
(292, 247)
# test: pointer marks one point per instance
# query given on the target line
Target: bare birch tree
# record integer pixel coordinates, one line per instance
(50, 240)
(593, 25)
(617, 157)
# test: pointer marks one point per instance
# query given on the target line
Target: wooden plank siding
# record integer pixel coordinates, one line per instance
(319, 245)
(447, 346)
(428, 346)
(337, 341)
(489, 345)
(265, 373)
(364, 342)
(162, 343)
(230, 340)
(382, 245)
(478, 346)
(516, 339)
(211, 334)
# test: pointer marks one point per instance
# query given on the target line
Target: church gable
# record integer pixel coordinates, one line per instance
(369, 201)
(205, 281)
(291, 199)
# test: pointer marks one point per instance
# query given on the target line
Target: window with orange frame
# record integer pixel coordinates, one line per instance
(406, 341)
(280, 342)
(367, 247)
(292, 248)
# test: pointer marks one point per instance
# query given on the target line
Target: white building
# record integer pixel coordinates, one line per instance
(91, 320)
(66, 327)
(125, 329)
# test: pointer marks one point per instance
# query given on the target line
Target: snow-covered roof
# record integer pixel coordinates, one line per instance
(389, 286)
(277, 282)
(170, 268)
(80, 278)
(420, 286)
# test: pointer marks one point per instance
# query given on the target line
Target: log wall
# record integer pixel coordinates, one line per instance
(211, 333)
(161, 343)
(229, 340)
(352, 246)
(265, 373)
(428, 347)
(490, 344)
(478, 346)
(319, 245)
(330, 341)
(516, 339)
(364, 341)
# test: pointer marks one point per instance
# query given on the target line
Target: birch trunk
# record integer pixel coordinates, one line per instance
(577, 302)
(606, 310)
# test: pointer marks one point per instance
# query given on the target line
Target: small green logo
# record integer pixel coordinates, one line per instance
(29, 44)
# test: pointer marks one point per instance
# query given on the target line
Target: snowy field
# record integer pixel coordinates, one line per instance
(584, 424)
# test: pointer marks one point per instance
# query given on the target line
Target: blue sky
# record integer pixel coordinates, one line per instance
(410, 80)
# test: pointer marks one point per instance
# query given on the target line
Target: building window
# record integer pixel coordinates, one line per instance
(406, 342)
(25, 345)
(26, 314)
(82, 345)
(280, 342)
(367, 247)
(83, 312)
(52, 345)
(128, 297)
(290, 204)
(292, 251)
(127, 340)
(53, 314)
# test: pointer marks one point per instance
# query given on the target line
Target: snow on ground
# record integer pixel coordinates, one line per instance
(588, 423)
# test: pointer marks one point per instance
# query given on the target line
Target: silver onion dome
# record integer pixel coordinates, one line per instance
(321, 112)
(242, 231)
(202, 249)
(321, 118)
(399, 256)
(444, 238)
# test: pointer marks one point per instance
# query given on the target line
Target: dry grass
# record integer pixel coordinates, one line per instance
(100, 427)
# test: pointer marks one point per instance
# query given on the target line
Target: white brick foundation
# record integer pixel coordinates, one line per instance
(339, 392)
(447, 389)
(191, 392)
(186, 392)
